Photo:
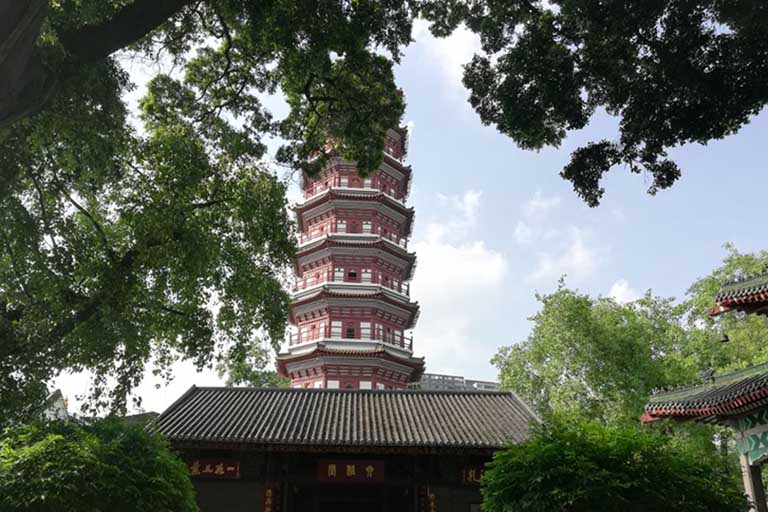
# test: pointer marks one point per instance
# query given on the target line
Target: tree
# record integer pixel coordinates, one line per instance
(602, 359)
(596, 357)
(248, 369)
(572, 466)
(674, 72)
(127, 243)
(98, 465)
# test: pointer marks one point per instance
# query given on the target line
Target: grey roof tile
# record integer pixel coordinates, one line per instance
(322, 417)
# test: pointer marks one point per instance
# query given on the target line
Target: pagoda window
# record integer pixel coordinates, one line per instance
(336, 329)
(365, 330)
(352, 275)
(318, 384)
(379, 385)
(365, 384)
(338, 274)
(341, 226)
(366, 226)
(349, 332)
(367, 183)
(344, 181)
(366, 275)
(332, 384)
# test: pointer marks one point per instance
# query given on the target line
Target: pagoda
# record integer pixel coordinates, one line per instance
(351, 307)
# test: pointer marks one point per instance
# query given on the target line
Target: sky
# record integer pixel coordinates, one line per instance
(496, 224)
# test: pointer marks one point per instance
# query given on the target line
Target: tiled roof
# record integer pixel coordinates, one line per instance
(751, 286)
(729, 395)
(363, 418)
(748, 295)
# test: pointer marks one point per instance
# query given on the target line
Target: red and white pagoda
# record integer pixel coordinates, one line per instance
(351, 305)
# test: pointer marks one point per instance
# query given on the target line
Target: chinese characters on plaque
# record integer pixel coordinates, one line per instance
(214, 468)
(357, 471)
(471, 475)
(272, 499)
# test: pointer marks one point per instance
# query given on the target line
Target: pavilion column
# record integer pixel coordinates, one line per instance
(753, 484)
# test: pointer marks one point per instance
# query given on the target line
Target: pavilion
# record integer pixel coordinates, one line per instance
(738, 400)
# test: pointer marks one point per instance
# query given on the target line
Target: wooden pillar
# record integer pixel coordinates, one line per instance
(753, 484)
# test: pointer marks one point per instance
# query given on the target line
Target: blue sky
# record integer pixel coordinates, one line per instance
(513, 226)
(495, 224)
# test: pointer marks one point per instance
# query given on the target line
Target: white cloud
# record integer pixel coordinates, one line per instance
(523, 234)
(539, 205)
(622, 292)
(575, 257)
(447, 54)
(457, 278)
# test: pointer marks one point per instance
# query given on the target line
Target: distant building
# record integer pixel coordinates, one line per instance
(440, 382)
(55, 407)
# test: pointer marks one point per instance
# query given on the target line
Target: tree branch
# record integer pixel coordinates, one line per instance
(130, 24)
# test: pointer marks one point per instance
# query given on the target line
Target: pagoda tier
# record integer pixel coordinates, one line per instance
(351, 304)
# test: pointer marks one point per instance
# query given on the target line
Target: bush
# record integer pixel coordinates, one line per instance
(103, 465)
(584, 466)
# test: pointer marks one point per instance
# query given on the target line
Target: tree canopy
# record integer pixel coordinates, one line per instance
(601, 359)
(127, 241)
(574, 466)
(118, 234)
(674, 72)
(100, 465)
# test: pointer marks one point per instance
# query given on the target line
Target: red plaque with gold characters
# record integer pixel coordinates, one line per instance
(352, 471)
(225, 469)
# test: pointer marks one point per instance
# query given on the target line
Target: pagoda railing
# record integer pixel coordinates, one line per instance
(324, 230)
(390, 338)
(330, 276)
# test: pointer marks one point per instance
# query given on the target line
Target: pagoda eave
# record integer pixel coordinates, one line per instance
(334, 197)
(328, 297)
(322, 248)
(321, 355)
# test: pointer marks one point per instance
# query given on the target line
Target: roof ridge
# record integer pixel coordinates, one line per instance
(365, 391)
(719, 380)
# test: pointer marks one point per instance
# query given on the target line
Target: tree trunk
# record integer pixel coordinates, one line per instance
(24, 84)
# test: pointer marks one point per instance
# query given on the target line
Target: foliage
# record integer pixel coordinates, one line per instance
(595, 356)
(101, 465)
(247, 369)
(602, 359)
(125, 241)
(573, 466)
(674, 72)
